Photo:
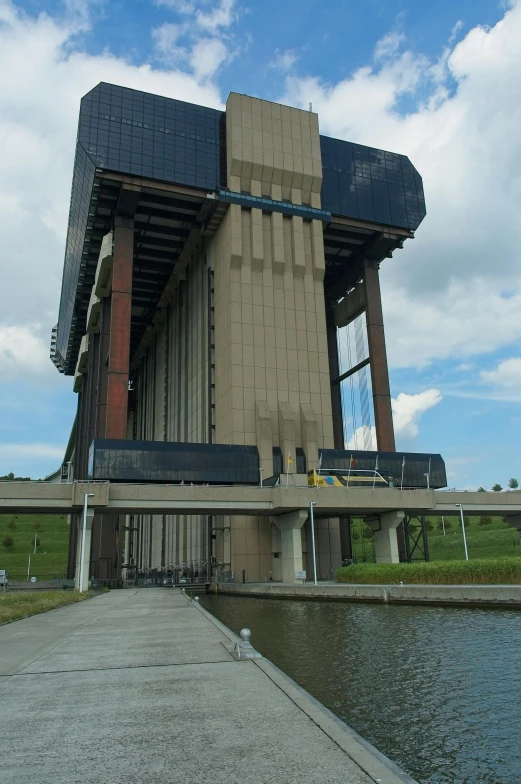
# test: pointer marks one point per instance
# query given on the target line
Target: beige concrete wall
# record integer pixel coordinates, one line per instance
(271, 365)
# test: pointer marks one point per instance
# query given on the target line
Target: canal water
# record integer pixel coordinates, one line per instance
(438, 690)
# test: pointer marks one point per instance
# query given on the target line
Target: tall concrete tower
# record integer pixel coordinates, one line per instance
(211, 259)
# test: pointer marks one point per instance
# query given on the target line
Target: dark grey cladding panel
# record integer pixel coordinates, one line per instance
(150, 136)
(415, 465)
(173, 462)
(369, 184)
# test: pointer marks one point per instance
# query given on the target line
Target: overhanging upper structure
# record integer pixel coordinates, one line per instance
(211, 258)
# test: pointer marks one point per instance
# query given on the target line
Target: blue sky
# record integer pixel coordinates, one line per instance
(436, 81)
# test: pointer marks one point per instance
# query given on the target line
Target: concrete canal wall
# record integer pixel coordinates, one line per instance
(456, 595)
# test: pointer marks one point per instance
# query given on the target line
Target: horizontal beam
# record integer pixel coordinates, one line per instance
(43, 497)
(351, 371)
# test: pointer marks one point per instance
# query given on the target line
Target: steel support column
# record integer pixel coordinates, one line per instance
(379, 372)
(119, 345)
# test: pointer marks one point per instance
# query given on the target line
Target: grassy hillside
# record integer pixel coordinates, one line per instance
(51, 552)
(496, 540)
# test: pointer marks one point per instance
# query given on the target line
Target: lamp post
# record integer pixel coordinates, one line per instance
(83, 534)
(312, 521)
(463, 530)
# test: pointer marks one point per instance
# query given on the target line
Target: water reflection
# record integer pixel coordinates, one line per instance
(438, 690)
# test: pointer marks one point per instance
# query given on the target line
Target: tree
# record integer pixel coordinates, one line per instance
(485, 520)
(367, 533)
(355, 536)
(37, 525)
(8, 542)
(513, 483)
(448, 525)
(429, 526)
(497, 488)
(11, 525)
(481, 490)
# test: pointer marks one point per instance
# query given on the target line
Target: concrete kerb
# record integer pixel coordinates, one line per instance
(473, 595)
(371, 761)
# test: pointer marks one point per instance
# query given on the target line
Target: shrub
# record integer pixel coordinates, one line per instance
(37, 525)
(12, 525)
(491, 571)
(8, 542)
(485, 520)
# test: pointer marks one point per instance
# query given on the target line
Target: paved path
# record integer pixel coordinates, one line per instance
(138, 687)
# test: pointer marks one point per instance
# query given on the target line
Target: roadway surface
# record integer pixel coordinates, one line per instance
(137, 686)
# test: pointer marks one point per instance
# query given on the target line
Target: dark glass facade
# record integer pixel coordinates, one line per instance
(147, 135)
(144, 135)
(369, 184)
(390, 465)
(81, 194)
(169, 462)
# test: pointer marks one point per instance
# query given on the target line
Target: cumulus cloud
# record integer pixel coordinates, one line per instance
(504, 379)
(455, 289)
(41, 82)
(408, 409)
(407, 412)
(284, 60)
(202, 42)
(24, 354)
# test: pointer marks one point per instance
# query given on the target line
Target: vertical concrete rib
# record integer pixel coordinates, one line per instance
(119, 349)
(383, 416)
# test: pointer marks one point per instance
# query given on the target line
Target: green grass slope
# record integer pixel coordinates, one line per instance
(51, 553)
(496, 540)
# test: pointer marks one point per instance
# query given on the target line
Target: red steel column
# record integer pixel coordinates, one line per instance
(383, 416)
(119, 343)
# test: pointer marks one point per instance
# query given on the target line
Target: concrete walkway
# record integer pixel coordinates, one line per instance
(137, 686)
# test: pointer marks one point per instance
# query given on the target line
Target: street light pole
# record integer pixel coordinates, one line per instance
(463, 530)
(83, 534)
(312, 521)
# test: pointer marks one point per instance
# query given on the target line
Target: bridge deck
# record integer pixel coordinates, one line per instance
(41, 497)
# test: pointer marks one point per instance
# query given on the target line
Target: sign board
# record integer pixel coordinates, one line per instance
(301, 575)
(33, 579)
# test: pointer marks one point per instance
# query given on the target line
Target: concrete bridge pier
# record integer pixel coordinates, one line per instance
(385, 535)
(290, 526)
(86, 553)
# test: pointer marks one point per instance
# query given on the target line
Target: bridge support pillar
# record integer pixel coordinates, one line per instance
(290, 526)
(515, 521)
(385, 535)
(86, 552)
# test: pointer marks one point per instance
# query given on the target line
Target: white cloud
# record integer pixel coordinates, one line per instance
(388, 45)
(454, 291)
(42, 80)
(408, 409)
(179, 6)
(505, 379)
(284, 60)
(222, 16)
(407, 412)
(207, 56)
(166, 38)
(203, 42)
(363, 438)
(24, 354)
